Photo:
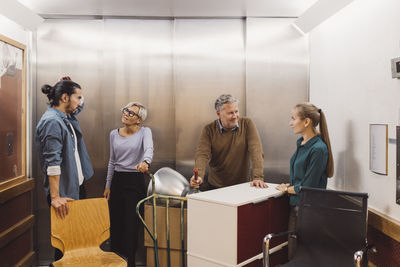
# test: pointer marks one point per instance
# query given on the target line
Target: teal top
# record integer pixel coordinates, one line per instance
(307, 166)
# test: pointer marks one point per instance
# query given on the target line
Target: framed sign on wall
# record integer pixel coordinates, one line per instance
(12, 109)
(378, 148)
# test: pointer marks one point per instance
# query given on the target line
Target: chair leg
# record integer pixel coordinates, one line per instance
(266, 244)
(358, 256)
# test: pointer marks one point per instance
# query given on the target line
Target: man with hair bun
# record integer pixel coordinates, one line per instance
(63, 157)
(227, 145)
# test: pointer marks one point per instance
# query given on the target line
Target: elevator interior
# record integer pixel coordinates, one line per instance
(176, 58)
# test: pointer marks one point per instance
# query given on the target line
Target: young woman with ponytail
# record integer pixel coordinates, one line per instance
(312, 162)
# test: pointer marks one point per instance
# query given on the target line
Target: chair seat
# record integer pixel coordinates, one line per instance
(321, 257)
(90, 257)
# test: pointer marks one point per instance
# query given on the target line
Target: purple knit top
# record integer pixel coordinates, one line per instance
(127, 152)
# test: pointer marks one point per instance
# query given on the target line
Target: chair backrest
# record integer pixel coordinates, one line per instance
(332, 224)
(86, 225)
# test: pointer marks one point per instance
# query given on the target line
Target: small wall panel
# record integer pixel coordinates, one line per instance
(15, 210)
(17, 249)
(388, 249)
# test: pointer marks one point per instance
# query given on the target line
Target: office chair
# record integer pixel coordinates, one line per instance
(331, 229)
(81, 232)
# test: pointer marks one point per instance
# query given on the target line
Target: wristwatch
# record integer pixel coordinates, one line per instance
(147, 162)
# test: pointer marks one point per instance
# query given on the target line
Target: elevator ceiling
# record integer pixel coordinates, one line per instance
(169, 8)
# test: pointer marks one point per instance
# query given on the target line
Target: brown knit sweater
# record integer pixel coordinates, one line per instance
(228, 153)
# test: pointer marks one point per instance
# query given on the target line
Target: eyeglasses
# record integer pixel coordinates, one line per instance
(130, 112)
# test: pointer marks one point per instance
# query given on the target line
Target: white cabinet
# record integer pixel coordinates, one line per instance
(226, 226)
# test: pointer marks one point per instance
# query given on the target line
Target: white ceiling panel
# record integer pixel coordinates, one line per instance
(169, 8)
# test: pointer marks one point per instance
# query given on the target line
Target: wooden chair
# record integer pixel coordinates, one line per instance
(81, 233)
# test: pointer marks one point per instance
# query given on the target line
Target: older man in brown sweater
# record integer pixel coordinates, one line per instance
(227, 145)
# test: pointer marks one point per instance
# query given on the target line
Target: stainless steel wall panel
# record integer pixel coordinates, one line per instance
(73, 49)
(138, 67)
(177, 68)
(69, 48)
(115, 62)
(208, 62)
(276, 79)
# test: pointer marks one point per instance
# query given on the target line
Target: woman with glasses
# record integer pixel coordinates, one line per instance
(131, 152)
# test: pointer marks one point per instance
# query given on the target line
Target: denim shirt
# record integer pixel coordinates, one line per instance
(56, 145)
(307, 166)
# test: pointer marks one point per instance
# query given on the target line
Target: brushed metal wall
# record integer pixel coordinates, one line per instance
(208, 61)
(69, 48)
(276, 79)
(137, 66)
(115, 62)
(177, 68)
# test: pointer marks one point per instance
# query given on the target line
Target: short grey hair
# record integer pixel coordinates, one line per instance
(142, 109)
(223, 99)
